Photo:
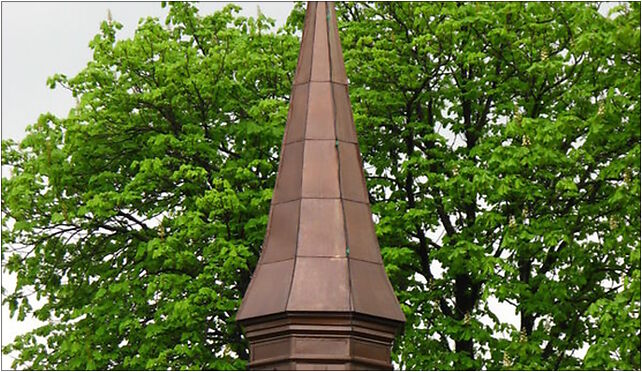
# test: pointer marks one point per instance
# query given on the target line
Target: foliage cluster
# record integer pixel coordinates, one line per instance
(502, 150)
(504, 141)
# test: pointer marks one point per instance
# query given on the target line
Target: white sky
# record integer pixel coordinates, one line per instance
(41, 39)
(44, 38)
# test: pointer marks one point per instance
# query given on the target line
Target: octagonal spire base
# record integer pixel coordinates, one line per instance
(320, 341)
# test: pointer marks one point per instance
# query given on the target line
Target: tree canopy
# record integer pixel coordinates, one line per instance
(502, 151)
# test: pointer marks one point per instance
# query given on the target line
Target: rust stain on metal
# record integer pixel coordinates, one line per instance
(320, 281)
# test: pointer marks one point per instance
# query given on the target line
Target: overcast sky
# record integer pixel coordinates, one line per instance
(41, 39)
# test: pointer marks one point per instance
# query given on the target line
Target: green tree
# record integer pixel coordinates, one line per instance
(144, 210)
(502, 145)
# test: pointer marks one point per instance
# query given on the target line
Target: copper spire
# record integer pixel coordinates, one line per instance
(320, 254)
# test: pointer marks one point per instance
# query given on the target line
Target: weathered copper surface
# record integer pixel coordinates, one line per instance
(361, 234)
(288, 180)
(321, 341)
(321, 231)
(298, 113)
(320, 297)
(320, 120)
(320, 284)
(270, 294)
(371, 291)
(353, 183)
(283, 228)
(345, 128)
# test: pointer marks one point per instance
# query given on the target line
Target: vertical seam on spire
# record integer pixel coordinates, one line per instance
(336, 141)
(305, 129)
(314, 36)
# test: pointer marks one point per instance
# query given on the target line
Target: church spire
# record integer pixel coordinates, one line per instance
(320, 257)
